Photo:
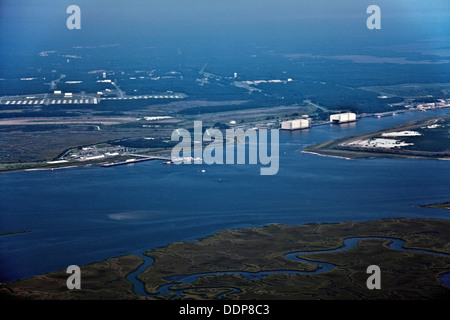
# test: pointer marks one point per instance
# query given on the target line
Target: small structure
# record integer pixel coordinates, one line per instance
(343, 117)
(296, 124)
(68, 95)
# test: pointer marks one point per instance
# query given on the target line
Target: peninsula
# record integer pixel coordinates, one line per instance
(425, 139)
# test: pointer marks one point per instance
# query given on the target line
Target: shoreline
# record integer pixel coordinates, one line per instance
(374, 155)
(12, 233)
(284, 239)
(46, 166)
(442, 206)
(340, 148)
(326, 155)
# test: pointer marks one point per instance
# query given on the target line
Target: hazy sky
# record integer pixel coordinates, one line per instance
(41, 20)
(226, 10)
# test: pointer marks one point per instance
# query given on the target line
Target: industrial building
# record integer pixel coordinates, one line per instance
(343, 117)
(296, 124)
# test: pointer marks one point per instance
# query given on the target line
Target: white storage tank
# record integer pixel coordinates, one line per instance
(343, 117)
(296, 124)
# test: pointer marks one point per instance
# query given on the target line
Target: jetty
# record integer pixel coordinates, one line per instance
(140, 158)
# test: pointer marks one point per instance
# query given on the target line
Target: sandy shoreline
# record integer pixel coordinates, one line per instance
(325, 155)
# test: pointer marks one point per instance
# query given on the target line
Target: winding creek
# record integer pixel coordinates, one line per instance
(349, 243)
(84, 215)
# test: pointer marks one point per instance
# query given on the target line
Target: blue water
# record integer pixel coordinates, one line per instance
(78, 216)
(322, 267)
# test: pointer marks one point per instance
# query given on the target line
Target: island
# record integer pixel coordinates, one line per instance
(305, 262)
(425, 139)
(444, 205)
(10, 233)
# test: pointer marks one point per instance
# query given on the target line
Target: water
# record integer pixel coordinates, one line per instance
(139, 285)
(78, 216)
(349, 243)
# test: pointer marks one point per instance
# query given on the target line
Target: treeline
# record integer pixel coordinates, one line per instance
(33, 127)
(140, 143)
(42, 113)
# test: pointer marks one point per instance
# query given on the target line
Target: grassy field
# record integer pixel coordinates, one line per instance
(405, 275)
(102, 280)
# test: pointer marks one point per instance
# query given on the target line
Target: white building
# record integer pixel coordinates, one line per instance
(343, 117)
(296, 124)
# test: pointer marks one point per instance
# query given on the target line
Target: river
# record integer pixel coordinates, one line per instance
(349, 243)
(82, 215)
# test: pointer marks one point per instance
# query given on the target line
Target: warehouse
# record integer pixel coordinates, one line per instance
(296, 124)
(343, 117)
